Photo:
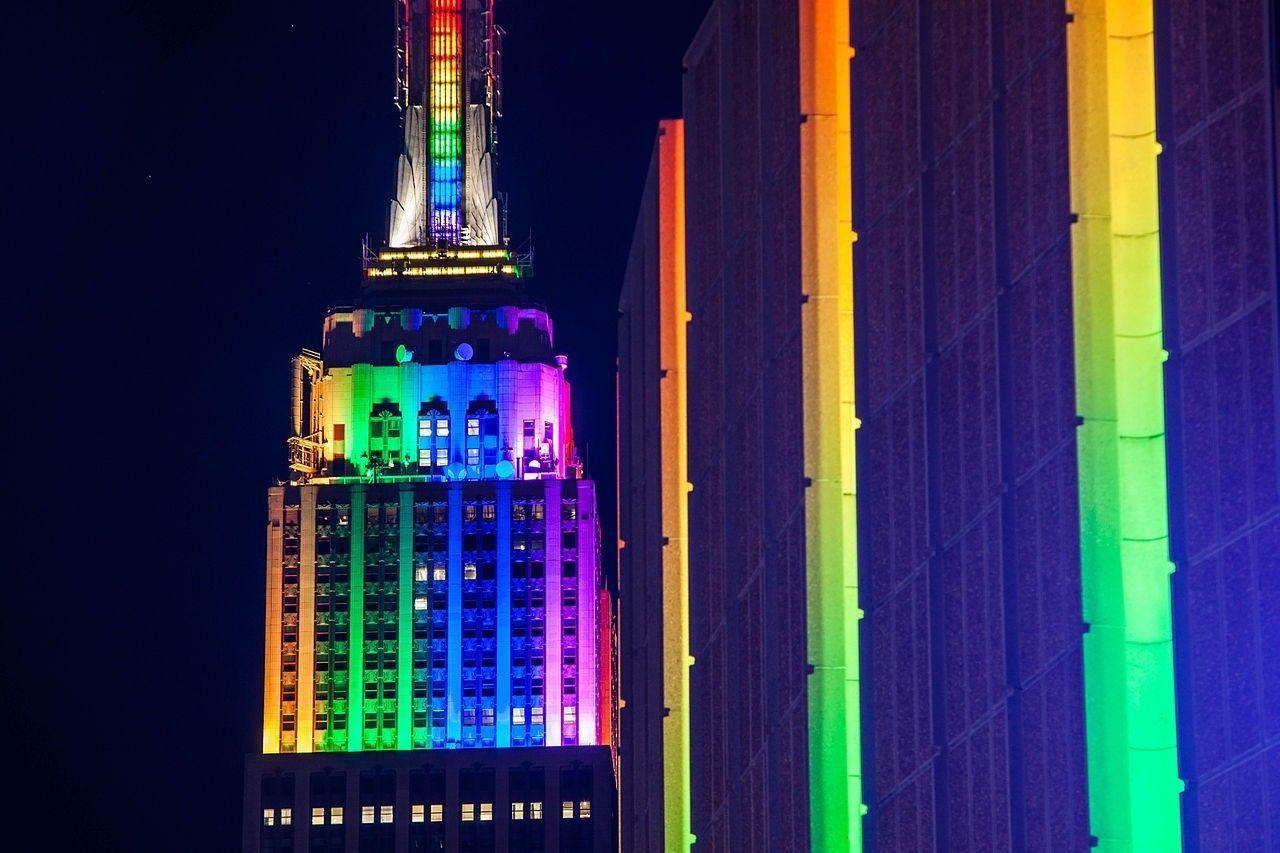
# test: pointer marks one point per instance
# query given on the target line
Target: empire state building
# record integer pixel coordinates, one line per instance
(438, 644)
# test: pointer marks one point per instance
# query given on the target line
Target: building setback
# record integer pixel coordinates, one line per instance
(439, 635)
(1049, 532)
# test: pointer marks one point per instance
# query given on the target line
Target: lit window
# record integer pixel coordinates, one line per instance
(286, 817)
(442, 456)
(268, 817)
(517, 716)
(424, 457)
(486, 811)
(418, 814)
(468, 812)
(473, 426)
(570, 715)
(487, 717)
(536, 714)
(489, 512)
(424, 427)
(437, 812)
(584, 808)
(535, 811)
(421, 574)
(388, 814)
(366, 814)
(317, 816)
(473, 456)
(335, 815)
(440, 573)
(517, 811)
(442, 427)
(566, 809)
(420, 602)
(469, 572)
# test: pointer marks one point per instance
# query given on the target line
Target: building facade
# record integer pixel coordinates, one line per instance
(1038, 246)
(438, 647)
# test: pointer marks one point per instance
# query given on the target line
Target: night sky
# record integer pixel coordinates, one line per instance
(191, 188)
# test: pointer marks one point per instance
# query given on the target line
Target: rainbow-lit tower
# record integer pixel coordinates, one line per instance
(438, 645)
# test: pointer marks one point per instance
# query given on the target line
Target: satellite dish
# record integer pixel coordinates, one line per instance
(504, 469)
(404, 355)
(464, 352)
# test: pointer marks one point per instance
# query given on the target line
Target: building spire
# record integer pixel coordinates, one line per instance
(448, 58)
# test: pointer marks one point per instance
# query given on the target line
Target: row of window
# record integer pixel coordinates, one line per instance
(421, 812)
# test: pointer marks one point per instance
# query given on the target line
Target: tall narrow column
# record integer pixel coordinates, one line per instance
(355, 634)
(453, 715)
(275, 592)
(306, 715)
(835, 755)
(1125, 567)
(405, 622)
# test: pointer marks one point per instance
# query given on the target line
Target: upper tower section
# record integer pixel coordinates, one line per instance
(446, 228)
(448, 57)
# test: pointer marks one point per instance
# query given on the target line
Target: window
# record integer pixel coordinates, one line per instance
(442, 457)
(468, 812)
(517, 716)
(268, 817)
(469, 572)
(286, 817)
(548, 431)
(420, 573)
(584, 809)
(442, 427)
(517, 811)
(473, 427)
(388, 814)
(424, 457)
(473, 456)
(537, 716)
(528, 429)
(366, 814)
(486, 811)
(566, 809)
(535, 811)
(570, 715)
(440, 573)
(437, 812)
(317, 816)
(420, 602)
(335, 815)
(418, 814)
(487, 717)
(424, 427)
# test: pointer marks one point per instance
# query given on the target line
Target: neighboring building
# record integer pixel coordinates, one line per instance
(772, 757)
(1066, 244)
(653, 513)
(438, 661)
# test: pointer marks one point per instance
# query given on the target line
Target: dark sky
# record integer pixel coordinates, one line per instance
(192, 184)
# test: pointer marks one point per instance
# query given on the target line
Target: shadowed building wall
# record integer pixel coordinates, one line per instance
(967, 458)
(1216, 75)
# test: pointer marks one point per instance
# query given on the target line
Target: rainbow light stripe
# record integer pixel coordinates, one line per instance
(1128, 651)
(833, 614)
(673, 396)
(445, 128)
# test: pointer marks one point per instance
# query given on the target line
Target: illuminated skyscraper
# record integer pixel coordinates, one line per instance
(438, 633)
